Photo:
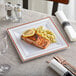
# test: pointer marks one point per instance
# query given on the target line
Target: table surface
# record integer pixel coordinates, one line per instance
(36, 67)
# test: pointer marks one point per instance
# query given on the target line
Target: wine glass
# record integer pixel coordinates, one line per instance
(3, 48)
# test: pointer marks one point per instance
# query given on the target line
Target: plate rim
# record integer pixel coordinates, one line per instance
(23, 60)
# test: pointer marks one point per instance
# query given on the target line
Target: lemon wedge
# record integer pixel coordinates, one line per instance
(29, 33)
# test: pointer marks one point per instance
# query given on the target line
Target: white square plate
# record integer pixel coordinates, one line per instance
(27, 51)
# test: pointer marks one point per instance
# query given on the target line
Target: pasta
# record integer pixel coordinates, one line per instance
(46, 34)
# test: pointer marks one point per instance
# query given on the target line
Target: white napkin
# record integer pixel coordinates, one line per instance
(67, 27)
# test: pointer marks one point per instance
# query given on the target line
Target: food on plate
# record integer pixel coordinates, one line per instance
(29, 33)
(46, 34)
(37, 40)
(39, 37)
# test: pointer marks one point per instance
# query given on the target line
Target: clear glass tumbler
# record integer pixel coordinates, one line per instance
(3, 48)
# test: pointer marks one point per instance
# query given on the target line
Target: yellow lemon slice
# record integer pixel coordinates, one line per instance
(29, 33)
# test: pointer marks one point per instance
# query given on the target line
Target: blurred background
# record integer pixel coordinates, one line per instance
(44, 6)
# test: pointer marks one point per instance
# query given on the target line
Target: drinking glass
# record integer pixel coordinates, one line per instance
(3, 48)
